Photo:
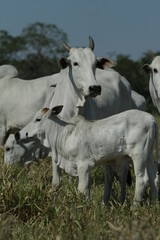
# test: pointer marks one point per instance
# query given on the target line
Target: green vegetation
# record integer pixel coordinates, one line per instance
(31, 209)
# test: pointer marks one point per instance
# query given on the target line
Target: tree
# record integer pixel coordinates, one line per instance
(44, 39)
(131, 70)
(42, 49)
(35, 52)
(10, 47)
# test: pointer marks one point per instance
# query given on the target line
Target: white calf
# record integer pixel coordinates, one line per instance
(79, 145)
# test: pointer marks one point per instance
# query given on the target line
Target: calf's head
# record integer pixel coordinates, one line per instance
(36, 128)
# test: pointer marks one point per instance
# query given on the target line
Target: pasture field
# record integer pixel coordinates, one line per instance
(30, 209)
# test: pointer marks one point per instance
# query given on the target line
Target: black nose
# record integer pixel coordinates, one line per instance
(27, 134)
(94, 90)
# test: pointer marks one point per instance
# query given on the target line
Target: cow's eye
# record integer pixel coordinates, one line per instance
(8, 149)
(75, 64)
(38, 120)
(155, 70)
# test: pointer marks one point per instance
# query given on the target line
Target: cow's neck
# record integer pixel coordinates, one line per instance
(68, 95)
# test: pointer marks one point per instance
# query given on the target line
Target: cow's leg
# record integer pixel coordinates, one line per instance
(56, 179)
(84, 174)
(140, 169)
(153, 177)
(108, 180)
(123, 166)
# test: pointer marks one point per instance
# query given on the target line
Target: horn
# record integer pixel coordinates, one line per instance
(91, 43)
(66, 47)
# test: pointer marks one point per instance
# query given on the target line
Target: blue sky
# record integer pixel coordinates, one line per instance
(121, 26)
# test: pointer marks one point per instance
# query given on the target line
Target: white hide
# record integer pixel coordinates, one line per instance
(154, 82)
(137, 101)
(20, 99)
(23, 151)
(8, 70)
(110, 101)
(75, 80)
(115, 97)
(79, 145)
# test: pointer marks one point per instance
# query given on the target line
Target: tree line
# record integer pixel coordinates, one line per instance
(35, 53)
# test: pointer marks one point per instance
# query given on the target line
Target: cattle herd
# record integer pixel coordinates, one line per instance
(84, 116)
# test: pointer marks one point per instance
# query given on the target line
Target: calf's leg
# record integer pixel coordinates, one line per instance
(84, 174)
(56, 179)
(141, 175)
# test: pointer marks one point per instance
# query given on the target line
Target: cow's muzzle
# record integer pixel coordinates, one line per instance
(94, 90)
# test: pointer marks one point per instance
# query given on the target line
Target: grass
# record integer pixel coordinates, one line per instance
(31, 209)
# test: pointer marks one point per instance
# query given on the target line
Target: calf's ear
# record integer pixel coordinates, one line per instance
(104, 63)
(17, 136)
(45, 110)
(64, 62)
(146, 68)
(56, 110)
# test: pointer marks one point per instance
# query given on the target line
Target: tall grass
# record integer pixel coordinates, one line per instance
(31, 209)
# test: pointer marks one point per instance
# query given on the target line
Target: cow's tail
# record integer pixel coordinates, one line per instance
(157, 145)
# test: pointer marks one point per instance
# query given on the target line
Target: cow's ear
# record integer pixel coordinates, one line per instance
(56, 110)
(64, 62)
(146, 68)
(104, 63)
(17, 136)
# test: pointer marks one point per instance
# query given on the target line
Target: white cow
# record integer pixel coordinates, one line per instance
(154, 82)
(115, 94)
(20, 99)
(79, 145)
(23, 151)
(77, 81)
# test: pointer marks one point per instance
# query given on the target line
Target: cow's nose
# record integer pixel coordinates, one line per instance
(94, 90)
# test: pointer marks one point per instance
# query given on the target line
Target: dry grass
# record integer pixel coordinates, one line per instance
(31, 209)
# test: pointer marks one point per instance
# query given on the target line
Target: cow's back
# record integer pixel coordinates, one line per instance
(8, 70)
(123, 134)
(21, 99)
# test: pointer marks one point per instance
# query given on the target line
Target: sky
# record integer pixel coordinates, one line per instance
(117, 26)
